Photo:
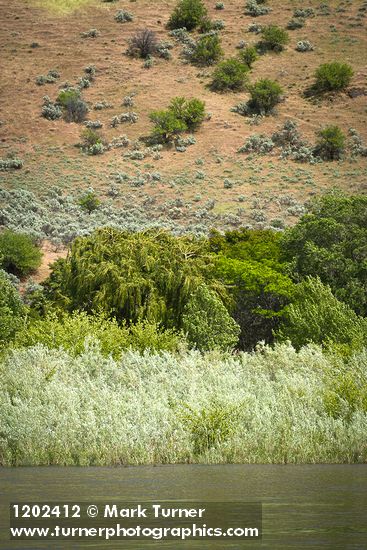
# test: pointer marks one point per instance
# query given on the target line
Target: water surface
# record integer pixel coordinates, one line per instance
(304, 506)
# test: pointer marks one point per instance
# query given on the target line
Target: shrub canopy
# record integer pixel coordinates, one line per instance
(18, 253)
(333, 76)
(188, 14)
(229, 75)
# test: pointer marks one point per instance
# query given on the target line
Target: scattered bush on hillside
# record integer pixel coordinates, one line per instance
(188, 14)
(89, 201)
(273, 38)
(92, 142)
(257, 144)
(357, 146)
(190, 111)
(50, 78)
(166, 125)
(294, 24)
(255, 28)
(265, 95)
(142, 43)
(206, 51)
(92, 33)
(303, 12)
(123, 16)
(255, 8)
(50, 109)
(331, 143)
(10, 163)
(229, 75)
(219, 6)
(248, 56)
(18, 253)
(74, 108)
(333, 76)
(304, 46)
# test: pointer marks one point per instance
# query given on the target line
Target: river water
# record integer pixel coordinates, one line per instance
(304, 506)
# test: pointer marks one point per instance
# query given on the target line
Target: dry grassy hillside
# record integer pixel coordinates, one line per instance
(37, 36)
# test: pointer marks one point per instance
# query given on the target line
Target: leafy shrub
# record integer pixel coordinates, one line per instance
(315, 315)
(255, 9)
(219, 6)
(73, 331)
(188, 14)
(207, 323)
(304, 46)
(74, 108)
(12, 310)
(249, 55)
(142, 43)
(166, 125)
(89, 200)
(123, 16)
(265, 94)
(207, 50)
(333, 76)
(331, 143)
(274, 38)
(189, 111)
(18, 253)
(229, 75)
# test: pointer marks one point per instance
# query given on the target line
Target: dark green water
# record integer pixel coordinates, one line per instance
(312, 506)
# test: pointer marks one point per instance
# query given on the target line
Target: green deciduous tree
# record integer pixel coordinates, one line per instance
(207, 322)
(315, 315)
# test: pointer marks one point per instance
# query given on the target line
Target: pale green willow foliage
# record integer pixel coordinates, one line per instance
(267, 406)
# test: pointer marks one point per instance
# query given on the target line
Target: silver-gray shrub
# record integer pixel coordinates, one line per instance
(123, 16)
(254, 9)
(272, 406)
(10, 163)
(257, 144)
(50, 109)
(304, 46)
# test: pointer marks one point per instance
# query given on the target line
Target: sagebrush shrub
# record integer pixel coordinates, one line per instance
(229, 75)
(255, 8)
(304, 46)
(123, 16)
(10, 163)
(333, 76)
(50, 109)
(75, 109)
(188, 14)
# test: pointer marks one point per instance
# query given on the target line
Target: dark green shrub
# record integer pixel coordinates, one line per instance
(190, 111)
(18, 253)
(333, 76)
(229, 75)
(249, 56)
(207, 50)
(166, 125)
(265, 94)
(89, 202)
(188, 14)
(331, 143)
(74, 108)
(274, 38)
(206, 25)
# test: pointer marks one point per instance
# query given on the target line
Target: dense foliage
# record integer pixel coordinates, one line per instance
(265, 94)
(229, 75)
(275, 405)
(19, 254)
(333, 76)
(188, 14)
